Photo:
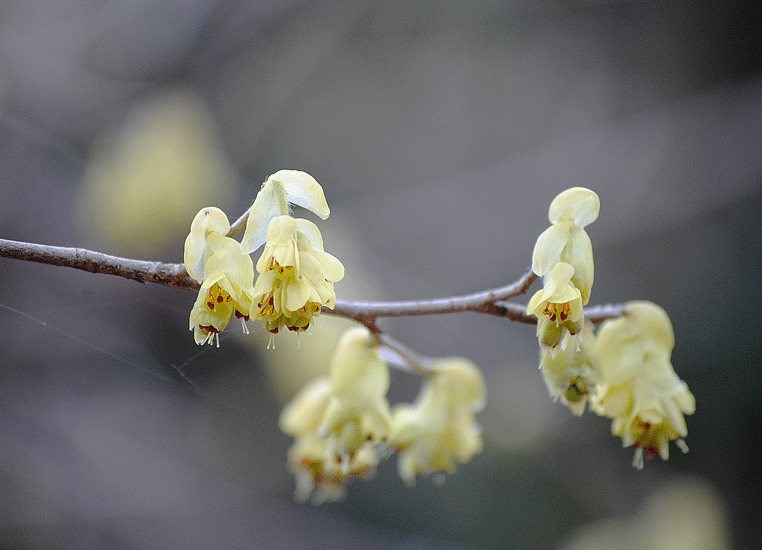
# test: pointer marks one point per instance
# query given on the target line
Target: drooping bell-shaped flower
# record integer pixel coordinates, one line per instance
(558, 307)
(639, 389)
(226, 290)
(571, 374)
(319, 471)
(440, 429)
(339, 422)
(359, 382)
(296, 275)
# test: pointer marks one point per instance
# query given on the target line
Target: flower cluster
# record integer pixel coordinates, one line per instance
(296, 275)
(623, 371)
(339, 422)
(639, 388)
(343, 426)
(226, 275)
(563, 257)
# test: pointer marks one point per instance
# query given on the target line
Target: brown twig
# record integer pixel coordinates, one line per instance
(491, 301)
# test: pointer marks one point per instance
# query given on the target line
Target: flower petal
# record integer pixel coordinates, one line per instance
(578, 204)
(268, 204)
(303, 190)
(550, 244)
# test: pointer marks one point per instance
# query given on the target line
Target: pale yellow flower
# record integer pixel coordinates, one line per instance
(339, 422)
(558, 307)
(639, 389)
(296, 275)
(226, 289)
(440, 428)
(566, 240)
(572, 374)
(359, 383)
(320, 470)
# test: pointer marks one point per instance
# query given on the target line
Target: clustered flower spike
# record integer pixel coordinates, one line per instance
(639, 388)
(624, 372)
(296, 275)
(343, 425)
(339, 422)
(563, 257)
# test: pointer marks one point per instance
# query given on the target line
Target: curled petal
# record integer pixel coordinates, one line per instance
(303, 414)
(302, 190)
(268, 204)
(295, 295)
(311, 232)
(356, 368)
(565, 242)
(328, 266)
(578, 204)
(281, 189)
(549, 246)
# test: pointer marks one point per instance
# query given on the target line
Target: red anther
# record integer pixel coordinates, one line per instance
(210, 305)
(220, 299)
(651, 451)
(564, 312)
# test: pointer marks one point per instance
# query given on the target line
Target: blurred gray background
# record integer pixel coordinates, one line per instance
(440, 132)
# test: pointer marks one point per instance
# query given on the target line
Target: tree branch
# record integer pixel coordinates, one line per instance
(491, 301)
(96, 262)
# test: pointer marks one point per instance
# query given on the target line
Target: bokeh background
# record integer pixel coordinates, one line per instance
(441, 131)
